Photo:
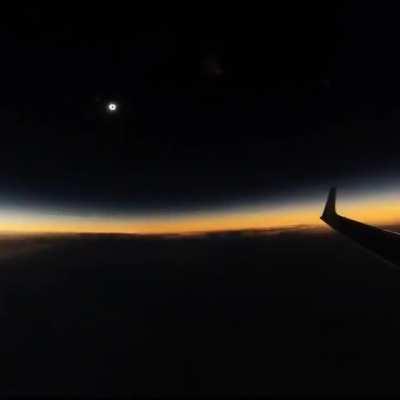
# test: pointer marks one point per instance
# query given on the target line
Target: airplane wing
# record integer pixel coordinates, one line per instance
(381, 242)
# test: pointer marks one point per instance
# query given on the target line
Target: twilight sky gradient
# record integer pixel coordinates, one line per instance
(381, 207)
(238, 122)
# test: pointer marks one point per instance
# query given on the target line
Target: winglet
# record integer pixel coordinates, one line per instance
(330, 206)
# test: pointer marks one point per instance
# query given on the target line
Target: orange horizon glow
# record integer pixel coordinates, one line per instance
(379, 211)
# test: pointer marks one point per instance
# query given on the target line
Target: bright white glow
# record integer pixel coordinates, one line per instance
(112, 107)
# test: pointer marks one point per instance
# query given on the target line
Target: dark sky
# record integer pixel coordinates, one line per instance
(216, 104)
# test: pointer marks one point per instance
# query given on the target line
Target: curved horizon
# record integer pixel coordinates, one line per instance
(381, 209)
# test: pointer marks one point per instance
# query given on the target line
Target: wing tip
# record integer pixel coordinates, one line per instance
(330, 205)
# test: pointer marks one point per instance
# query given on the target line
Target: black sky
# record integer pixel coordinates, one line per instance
(217, 104)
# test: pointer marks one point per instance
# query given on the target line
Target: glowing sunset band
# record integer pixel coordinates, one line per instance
(384, 210)
(204, 222)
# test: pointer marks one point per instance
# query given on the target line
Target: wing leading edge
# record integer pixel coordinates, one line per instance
(384, 243)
